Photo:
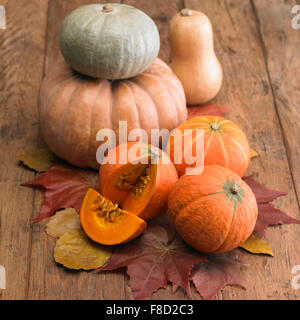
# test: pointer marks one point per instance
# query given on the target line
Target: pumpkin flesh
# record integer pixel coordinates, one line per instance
(138, 187)
(105, 223)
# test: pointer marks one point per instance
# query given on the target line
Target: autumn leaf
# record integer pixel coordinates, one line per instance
(76, 251)
(151, 261)
(62, 222)
(39, 160)
(65, 187)
(219, 271)
(262, 193)
(268, 215)
(206, 110)
(256, 244)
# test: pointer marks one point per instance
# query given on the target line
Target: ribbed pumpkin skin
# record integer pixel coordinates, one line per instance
(203, 214)
(119, 44)
(227, 147)
(73, 108)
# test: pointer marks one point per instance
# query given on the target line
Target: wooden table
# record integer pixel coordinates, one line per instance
(260, 54)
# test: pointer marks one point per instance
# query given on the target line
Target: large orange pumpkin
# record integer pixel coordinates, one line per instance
(225, 144)
(138, 186)
(73, 108)
(213, 211)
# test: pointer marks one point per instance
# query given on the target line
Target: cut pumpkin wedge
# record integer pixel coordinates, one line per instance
(105, 223)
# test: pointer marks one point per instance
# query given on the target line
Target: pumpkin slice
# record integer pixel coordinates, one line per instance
(141, 187)
(104, 222)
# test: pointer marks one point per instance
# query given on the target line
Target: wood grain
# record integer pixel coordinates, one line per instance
(21, 69)
(247, 92)
(259, 52)
(281, 45)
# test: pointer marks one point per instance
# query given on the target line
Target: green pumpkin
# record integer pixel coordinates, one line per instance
(109, 41)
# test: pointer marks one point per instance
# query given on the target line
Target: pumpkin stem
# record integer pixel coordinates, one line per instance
(186, 12)
(215, 126)
(235, 189)
(107, 8)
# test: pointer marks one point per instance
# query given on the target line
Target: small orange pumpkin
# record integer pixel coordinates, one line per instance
(225, 144)
(141, 188)
(105, 223)
(213, 211)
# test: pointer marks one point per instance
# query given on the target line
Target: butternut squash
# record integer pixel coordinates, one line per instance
(193, 59)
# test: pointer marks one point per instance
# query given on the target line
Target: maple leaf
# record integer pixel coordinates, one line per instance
(65, 187)
(262, 193)
(152, 260)
(218, 272)
(206, 110)
(268, 215)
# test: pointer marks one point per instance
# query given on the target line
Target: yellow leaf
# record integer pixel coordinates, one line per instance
(255, 244)
(39, 160)
(76, 251)
(62, 222)
(253, 153)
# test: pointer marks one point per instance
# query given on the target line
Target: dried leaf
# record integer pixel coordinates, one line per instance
(39, 160)
(268, 215)
(206, 110)
(76, 251)
(262, 193)
(220, 271)
(256, 244)
(152, 261)
(62, 222)
(253, 153)
(65, 188)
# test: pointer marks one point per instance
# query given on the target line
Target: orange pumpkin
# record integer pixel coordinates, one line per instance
(105, 223)
(225, 144)
(141, 187)
(73, 108)
(213, 211)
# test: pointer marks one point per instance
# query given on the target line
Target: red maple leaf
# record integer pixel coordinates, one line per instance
(152, 260)
(64, 187)
(268, 215)
(207, 110)
(218, 272)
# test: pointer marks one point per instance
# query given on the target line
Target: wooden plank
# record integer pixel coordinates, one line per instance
(247, 91)
(282, 53)
(22, 57)
(47, 280)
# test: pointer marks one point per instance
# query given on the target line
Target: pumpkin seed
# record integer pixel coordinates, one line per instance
(108, 210)
(137, 184)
